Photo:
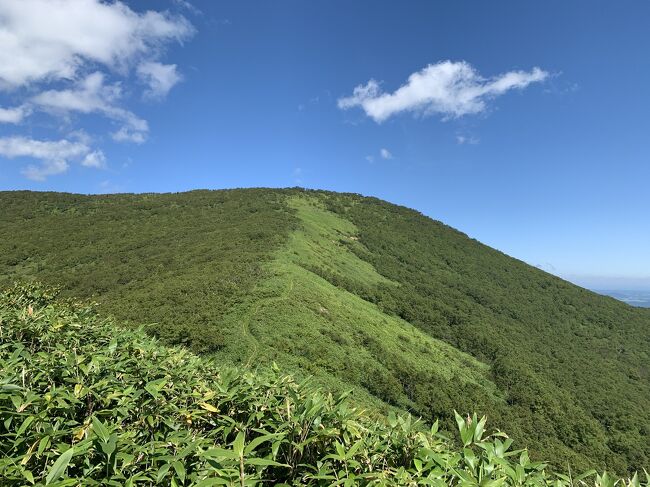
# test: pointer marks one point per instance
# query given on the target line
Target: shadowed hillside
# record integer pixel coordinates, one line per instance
(361, 294)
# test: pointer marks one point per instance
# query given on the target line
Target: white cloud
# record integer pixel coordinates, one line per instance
(13, 115)
(385, 154)
(187, 5)
(75, 56)
(451, 89)
(126, 134)
(95, 158)
(91, 95)
(466, 139)
(88, 95)
(54, 155)
(44, 40)
(160, 77)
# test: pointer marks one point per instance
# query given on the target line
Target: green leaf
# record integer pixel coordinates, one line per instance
(460, 421)
(219, 453)
(480, 428)
(180, 470)
(238, 444)
(100, 430)
(264, 462)
(354, 449)
(208, 407)
(109, 446)
(258, 441)
(434, 428)
(28, 475)
(58, 469)
(493, 483)
(340, 450)
(155, 386)
(162, 471)
(213, 481)
(24, 426)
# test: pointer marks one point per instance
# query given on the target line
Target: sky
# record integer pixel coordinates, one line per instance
(522, 124)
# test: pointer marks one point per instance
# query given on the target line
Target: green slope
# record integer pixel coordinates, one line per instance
(305, 323)
(83, 402)
(361, 294)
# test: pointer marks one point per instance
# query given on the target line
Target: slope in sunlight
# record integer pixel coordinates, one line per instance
(361, 294)
(114, 407)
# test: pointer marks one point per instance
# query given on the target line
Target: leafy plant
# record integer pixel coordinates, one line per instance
(84, 402)
(357, 294)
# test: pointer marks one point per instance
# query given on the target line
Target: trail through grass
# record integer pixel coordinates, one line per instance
(258, 306)
(333, 335)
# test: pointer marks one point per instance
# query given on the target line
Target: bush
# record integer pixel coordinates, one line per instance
(83, 402)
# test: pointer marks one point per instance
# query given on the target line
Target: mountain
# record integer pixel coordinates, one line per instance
(363, 295)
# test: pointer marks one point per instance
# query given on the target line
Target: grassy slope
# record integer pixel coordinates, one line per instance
(179, 260)
(360, 293)
(304, 323)
(85, 403)
(573, 365)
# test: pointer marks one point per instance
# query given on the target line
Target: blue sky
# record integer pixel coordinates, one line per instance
(524, 125)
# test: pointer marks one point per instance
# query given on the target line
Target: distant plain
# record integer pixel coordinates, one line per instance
(640, 299)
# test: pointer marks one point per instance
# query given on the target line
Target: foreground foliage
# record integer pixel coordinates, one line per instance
(361, 295)
(82, 401)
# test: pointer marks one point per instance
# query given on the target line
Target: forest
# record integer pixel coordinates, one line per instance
(355, 295)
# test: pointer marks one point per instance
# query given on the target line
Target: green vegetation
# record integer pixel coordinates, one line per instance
(178, 260)
(84, 403)
(573, 366)
(361, 295)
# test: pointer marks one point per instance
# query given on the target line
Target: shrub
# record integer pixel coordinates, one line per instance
(83, 402)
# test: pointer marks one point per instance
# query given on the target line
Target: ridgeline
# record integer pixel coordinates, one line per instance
(358, 294)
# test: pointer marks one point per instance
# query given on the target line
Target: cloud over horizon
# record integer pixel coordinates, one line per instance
(450, 89)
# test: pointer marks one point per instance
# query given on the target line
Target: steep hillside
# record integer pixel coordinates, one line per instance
(362, 295)
(85, 403)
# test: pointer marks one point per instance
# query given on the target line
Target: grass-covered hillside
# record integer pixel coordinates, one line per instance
(360, 294)
(83, 402)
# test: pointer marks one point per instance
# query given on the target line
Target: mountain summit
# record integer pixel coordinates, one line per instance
(360, 294)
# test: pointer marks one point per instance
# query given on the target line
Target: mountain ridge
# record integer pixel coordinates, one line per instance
(300, 277)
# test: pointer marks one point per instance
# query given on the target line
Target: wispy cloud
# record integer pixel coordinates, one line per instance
(159, 77)
(451, 89)
(466, 139)
(382, 154)
(187, 5)
(54, 155)
(297, 175)
(14, 115)
(92, 95)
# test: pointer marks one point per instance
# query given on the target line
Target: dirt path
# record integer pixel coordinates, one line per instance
(246, 329)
